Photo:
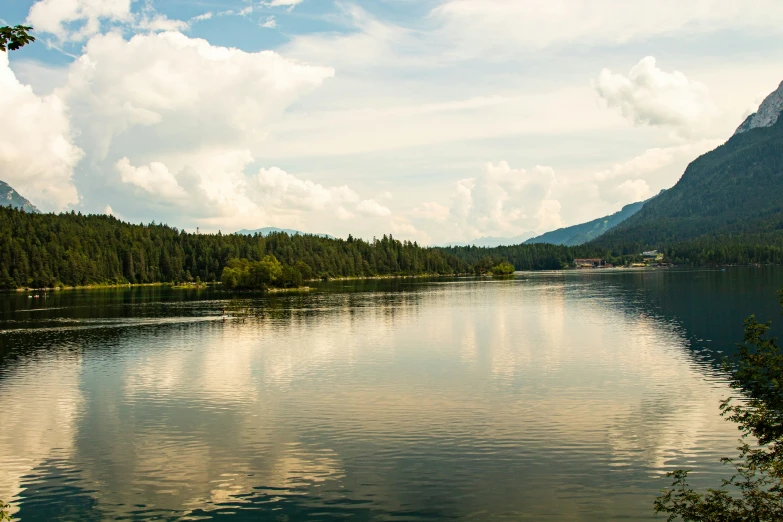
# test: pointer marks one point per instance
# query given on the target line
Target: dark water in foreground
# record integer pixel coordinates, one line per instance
(552, 396)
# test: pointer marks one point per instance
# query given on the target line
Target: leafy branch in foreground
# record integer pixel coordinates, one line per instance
(755, 492)
(5, 515)
(13, 38)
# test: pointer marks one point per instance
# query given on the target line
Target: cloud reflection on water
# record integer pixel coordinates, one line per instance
(502, 397)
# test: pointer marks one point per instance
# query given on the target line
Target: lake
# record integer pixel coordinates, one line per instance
(547, 396)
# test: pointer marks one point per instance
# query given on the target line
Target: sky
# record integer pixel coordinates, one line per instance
(431, 120)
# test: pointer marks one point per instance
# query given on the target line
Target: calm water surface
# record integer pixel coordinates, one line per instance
(549, 396)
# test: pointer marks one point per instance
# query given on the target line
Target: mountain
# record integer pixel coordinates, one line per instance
(272, 230)
(579, 234)
(11, 198)
(733, 191)
(768, 112)
(492, 241)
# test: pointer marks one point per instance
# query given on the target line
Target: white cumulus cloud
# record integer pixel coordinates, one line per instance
(77, 19)
(154, 178)
(652, 160)
(37, 154)
(277, 188)
(505, 201)
(191, 95)
(405, 231)
(633, 190)
(185, 126)
(431, 210)
(344, 215)
(646, 174)
(370, 207)
(179, 132)
(651, 96)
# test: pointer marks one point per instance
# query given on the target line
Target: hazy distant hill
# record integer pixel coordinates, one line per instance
(271, 230)
(735, 190)
(492, 241)
(580, 234)
(11, 198)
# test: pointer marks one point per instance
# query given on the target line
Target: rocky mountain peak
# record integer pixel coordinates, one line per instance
(768, 112)
(11, 198)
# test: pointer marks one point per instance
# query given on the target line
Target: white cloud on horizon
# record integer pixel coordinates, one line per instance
(503, 201)
(633, 190)
(215, 189)
(406, 231)
(655, 159)
(278, 189)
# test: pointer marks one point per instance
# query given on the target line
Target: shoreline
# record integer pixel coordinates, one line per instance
(100, 286)
(367, 278)
(202, 286)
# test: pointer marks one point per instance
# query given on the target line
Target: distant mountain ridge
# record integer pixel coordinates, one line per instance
(11, 198)
(493, 241)
(733, 191)
(274, 230)
(580, 234)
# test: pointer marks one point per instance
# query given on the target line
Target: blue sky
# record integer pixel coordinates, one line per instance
(439, 120)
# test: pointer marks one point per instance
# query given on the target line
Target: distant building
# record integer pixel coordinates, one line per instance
(652, 255)
(592, 262)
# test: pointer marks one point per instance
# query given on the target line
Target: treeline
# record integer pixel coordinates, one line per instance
(739, 249)
(46, 250)
(539, 256)
(727, 250)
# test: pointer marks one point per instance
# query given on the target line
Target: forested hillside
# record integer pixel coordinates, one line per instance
(44, 250)
(525, 257)
(733, 191)
(584, 232)
(705, 251)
